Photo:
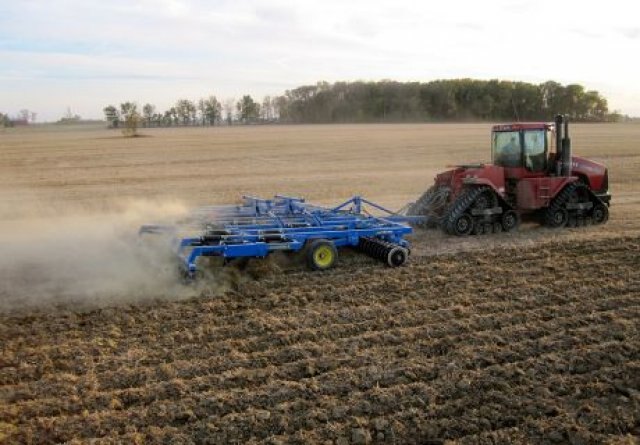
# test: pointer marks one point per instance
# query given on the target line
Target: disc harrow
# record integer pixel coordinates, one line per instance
(259, 227)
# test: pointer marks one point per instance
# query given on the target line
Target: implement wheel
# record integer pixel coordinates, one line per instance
(321, 254)
(397, 256)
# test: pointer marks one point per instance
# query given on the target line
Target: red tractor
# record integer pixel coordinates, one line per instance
(533, 174)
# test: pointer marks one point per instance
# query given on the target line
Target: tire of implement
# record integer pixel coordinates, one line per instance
(321, 254)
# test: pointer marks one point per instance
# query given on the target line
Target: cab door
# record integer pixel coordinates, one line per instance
(535, 151)
(533, 189)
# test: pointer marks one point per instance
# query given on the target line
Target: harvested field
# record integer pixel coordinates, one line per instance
(94, 169)
(527, 337)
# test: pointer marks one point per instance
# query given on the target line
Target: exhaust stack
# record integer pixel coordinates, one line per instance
(566, 150)
(558, 120)
(563, 146)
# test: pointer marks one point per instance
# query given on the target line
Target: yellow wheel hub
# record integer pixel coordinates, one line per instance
(323, 256)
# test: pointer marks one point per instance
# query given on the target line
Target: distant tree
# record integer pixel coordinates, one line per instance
(167, 119)
(210, 110)
(597, 106)
(112, 116)
(186, 111)
(572, 104)
(131, 118)
(551, 96)
(201, 111)
(175, 118)
(267, 111)
(281, 108)
(148, 111)
(248, 109)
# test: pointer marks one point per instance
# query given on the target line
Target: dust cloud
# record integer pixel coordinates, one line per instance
(74, 258)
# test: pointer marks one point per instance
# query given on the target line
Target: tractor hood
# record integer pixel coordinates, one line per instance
(593, 172)
(587, 166)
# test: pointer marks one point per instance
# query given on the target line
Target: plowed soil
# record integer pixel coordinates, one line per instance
(539, 344)
(527, 337)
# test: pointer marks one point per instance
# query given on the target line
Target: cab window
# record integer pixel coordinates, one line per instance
(534, 150)
(507, 150)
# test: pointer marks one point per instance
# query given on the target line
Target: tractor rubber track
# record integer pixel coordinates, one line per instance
(462, 204)
(561, 200)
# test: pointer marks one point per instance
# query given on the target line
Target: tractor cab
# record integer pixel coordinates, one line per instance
(518, 146)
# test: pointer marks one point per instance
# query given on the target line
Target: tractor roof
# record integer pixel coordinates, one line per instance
(524, 126)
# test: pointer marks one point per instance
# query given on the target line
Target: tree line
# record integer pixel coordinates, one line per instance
(204, 112)
(440, 100)
(382, 101)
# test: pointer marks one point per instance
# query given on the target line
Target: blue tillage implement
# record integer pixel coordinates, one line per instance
(258, 227)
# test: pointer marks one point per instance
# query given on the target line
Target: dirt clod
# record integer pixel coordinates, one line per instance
(360, 436)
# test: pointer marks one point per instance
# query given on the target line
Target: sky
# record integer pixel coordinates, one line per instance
(83, 55)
